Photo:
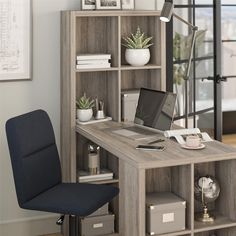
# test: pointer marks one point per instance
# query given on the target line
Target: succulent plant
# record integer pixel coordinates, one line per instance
(137, 40)
(85, 103)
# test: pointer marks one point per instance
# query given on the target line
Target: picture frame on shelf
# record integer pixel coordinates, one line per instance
(127, 4)
(108, 4)
(88, 4)
(16, 43)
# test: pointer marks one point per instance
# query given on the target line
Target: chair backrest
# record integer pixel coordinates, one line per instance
(34, 156)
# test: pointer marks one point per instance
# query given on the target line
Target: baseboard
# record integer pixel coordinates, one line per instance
(33, 226)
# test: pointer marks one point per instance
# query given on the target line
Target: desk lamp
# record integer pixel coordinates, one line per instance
(166, 14)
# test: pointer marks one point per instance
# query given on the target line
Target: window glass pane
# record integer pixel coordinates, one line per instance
(204, 42)
(229, 56)
(228, 20)
(205, 122)
(204, 2)
(182, 35)
(228, 2)
(201, 94)
(182, 2)
(204, 88)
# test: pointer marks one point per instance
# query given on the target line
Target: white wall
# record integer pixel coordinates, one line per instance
(149, 4)
(42, 92)
(23, 96)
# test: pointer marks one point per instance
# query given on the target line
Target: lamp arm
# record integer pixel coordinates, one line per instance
(184, 21)
(191, 54)
(194, 29)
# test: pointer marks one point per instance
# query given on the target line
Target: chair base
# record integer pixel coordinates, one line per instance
(73, 226)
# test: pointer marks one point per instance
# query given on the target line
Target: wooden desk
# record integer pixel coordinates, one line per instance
(171, 170)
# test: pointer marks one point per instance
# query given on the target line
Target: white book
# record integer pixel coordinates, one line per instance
(93, 66)
(92, 62)
(85, 176)
(85, 180)
(93, 57)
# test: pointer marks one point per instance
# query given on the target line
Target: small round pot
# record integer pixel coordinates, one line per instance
(137, 57)
(84, 114)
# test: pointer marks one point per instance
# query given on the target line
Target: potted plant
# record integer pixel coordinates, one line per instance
(137, 48)
(85, 111)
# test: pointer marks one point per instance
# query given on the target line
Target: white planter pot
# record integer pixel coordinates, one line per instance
(137, 57)
(84, 115)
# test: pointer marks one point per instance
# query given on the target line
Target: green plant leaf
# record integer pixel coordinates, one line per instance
(85, 102)
(147, 46)
(137, 40)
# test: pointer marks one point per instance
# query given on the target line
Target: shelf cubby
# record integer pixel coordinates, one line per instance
(176, 180)
(102, 85)
(107, 160)
(151, 26)
(135, 79)
(224, 208)
(98, 35)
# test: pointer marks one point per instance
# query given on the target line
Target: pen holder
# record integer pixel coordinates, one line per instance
(93, 159)
(93, 163)
(100, 115)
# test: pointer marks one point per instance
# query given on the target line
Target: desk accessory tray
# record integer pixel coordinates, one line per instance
(93, 121)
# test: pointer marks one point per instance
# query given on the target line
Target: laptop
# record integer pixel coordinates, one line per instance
(154, 114)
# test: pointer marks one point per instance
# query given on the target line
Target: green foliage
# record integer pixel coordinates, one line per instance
(137, 40)
(181, 50)
(85, 103)
(182, 44)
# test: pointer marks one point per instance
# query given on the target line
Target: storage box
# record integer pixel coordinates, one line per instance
(129, 102)
(101, 211)
(165, 213)
(97, 225)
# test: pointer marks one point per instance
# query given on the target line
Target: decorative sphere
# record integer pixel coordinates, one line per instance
(210, 188)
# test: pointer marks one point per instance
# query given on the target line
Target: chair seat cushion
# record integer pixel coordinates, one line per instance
(72, 199)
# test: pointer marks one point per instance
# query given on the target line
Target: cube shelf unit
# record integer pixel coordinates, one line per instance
(84, 32)
(180, 181)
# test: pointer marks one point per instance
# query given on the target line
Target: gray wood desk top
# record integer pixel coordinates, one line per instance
(124, 148)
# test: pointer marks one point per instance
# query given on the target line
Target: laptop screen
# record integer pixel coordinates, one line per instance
(155, 109)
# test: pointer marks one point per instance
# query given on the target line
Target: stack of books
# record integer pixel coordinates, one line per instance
(85, 176)
(93, 61)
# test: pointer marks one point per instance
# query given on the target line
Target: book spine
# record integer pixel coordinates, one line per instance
(94, 57)
(82, 180)
(91, 62)
(98, 66)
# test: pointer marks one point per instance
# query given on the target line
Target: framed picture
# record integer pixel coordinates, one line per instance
(88, 4)
(128, 4)
(15, 40)
(108, 4)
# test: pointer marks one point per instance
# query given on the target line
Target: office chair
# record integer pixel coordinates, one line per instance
(37, 172)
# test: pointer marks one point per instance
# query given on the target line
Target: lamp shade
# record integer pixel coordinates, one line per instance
(167, 11)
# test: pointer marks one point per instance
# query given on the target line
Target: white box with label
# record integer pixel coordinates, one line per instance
(165, 213)
(129, 102)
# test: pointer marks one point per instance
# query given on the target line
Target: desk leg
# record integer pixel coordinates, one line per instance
(132, 200)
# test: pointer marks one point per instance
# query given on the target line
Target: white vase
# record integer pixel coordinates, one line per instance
(137, 57)
(84, 114)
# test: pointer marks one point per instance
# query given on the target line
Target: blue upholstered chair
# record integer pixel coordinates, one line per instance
(37, 171)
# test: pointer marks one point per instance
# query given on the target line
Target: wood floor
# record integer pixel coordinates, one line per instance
(230, 139)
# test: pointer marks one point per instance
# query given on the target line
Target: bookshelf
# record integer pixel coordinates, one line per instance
(84, 32)
(101, 32)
